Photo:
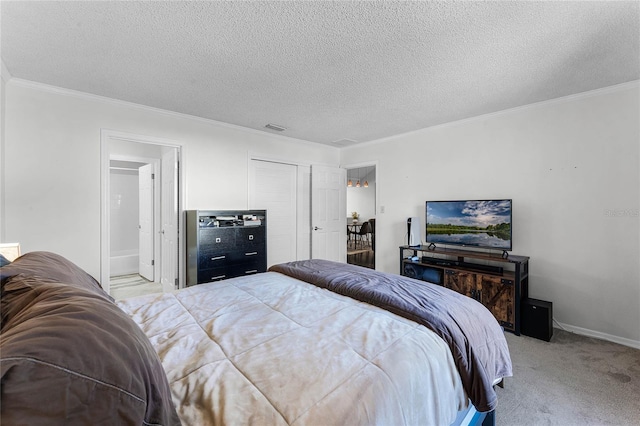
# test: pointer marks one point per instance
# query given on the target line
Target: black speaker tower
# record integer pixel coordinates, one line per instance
(537, 319)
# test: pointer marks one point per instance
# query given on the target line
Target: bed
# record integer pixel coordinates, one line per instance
(307, 343)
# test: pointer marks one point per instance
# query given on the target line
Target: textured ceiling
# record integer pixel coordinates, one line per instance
(327, 71)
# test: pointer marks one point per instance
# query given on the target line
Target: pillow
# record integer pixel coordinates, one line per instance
(70, 356)
(4, 261)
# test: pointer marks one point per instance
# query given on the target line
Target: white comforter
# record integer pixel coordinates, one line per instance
(271, 350)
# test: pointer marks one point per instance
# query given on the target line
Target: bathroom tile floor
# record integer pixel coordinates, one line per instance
(132, 285)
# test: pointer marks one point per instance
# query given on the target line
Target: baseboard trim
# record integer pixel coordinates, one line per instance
(598, 335)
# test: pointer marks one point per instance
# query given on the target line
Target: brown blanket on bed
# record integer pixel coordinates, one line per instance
(475, 338)
(69, 355)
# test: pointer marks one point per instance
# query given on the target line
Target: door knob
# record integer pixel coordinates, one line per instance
(315, 228)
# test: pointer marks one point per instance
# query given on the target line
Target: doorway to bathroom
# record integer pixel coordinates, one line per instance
(140, 215)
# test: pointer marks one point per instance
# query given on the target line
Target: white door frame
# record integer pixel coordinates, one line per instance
(106, 136)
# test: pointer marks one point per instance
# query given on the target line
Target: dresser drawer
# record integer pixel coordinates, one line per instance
(246, 268)
(250, 237)
(217, 240)
(213, 274)
(213, 260)
(247, 254)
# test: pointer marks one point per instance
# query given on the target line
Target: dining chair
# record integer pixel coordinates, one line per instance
(362, 234)
(372, 226)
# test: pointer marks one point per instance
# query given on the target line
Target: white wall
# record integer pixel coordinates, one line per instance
(124, 207)
(52, 164)
(363, 201)
(571, 167)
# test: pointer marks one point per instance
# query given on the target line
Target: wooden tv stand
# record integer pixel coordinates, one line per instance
(498, 282)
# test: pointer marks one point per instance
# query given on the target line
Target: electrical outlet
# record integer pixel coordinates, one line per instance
(381, 209)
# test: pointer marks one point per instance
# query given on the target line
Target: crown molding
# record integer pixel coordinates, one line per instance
(132, 105)
(4, 72)
(125, 104)
(563, 99)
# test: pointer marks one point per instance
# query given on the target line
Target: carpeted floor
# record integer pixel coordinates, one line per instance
(572, 380)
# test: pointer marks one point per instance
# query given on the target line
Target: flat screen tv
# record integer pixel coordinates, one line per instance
(470, 223)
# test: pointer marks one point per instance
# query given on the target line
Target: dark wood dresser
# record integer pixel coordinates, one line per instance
(222, 244)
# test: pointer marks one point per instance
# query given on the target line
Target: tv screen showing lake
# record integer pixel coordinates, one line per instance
(478, 223)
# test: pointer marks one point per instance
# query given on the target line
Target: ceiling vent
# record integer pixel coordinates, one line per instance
(344, 142)
(275, 127)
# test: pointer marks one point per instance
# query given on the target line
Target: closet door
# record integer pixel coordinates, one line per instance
(273, 187)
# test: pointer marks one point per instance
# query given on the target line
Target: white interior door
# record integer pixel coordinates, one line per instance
(169, 219)
(328, 219)
(145, 221)
(273, 187)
